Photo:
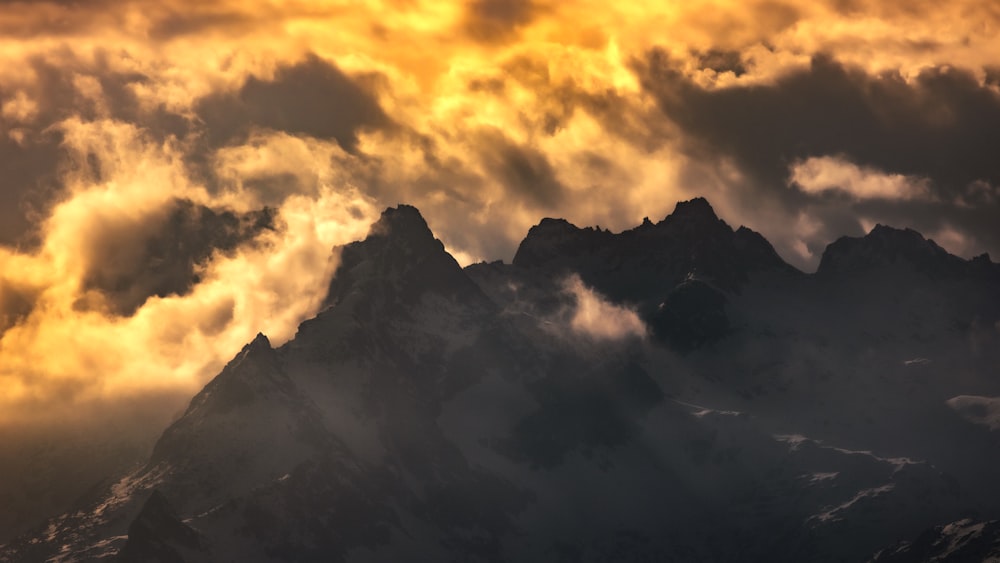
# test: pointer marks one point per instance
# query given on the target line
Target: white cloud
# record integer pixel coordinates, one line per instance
(595, 316)
(834, 173)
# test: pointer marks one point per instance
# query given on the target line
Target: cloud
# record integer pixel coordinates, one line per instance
(907, 151)
(594, 316)
(125, 132)
(817, 175)
(497, 20)
(524, 171)
(938, 126)
(162, 254)
(169, 254)
(311, 97)
(984, 411)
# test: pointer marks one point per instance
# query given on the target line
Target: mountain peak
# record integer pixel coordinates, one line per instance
(697, 208)
(551, 239)
(555, 225)
(905, 234)
(259, 347)
(400, 250)
(402, 218)
(260, 341)
(657, 256)
(885, 245)
(404, 228)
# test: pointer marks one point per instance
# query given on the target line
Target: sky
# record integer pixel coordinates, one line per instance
(175, 174)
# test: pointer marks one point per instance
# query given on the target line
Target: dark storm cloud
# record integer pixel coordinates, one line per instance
(497, 20)
(27, 179)
(312, 97)
(160, 256)
(722, 61)
(30, 149)
(31, 19)
(943, 125)
(524, 171)
(992, 76)
(16, 302)
(177, 23)
(558, 99)
(58, 96)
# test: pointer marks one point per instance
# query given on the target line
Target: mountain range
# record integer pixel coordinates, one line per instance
(674, 392)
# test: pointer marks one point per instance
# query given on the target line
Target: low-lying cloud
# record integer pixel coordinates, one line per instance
(594, 316)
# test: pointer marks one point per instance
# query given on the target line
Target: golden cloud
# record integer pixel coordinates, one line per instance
(485, 114)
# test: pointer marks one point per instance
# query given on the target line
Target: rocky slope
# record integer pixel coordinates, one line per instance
(673, 392)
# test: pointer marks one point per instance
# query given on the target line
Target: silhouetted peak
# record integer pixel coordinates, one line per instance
(259, 346)
(905, 236)
(400, 251)
(884, 246)
(550, 239)
(697, 208)
(693, 220)
(552, 225)
(260, 341)
(402, 224)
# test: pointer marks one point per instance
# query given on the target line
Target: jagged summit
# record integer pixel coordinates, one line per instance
(400, 251)
(260, 341)
(887, 246)
(404, 228)
(697, 208)
(691, 239)
(402, 220)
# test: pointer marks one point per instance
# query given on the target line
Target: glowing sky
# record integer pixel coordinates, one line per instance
(173, 174)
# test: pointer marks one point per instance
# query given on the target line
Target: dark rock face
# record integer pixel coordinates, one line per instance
(651, 258)
(888, 247)
(436, 413)
(402, 257)
(650, 265)
(693, 314)
(157, 535)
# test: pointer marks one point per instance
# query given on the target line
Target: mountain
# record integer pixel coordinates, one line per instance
(886, 247)
(963, 540)
(641, 263)
(674, 392)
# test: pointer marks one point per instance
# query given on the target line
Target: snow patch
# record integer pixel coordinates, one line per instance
(831, 514)
(702, 411)
(820, 477)
(794, 441)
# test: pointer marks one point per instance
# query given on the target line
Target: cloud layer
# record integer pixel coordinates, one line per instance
(175, 174)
